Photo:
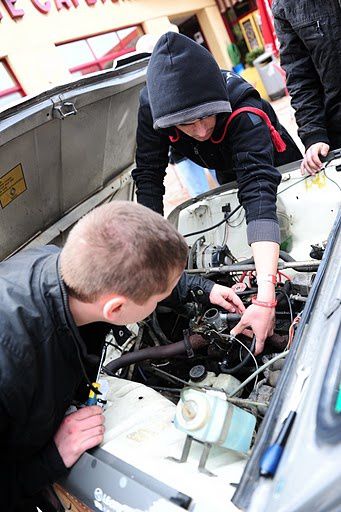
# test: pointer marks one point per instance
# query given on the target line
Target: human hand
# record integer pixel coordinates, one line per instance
(261, 320)
(311, 162)
(78, 432)
(226, 298)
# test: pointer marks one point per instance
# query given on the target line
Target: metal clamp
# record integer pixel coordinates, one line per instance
(64, 109)
(187, 343)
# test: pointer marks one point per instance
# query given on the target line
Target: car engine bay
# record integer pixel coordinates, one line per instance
(184, 400)
(193, 345)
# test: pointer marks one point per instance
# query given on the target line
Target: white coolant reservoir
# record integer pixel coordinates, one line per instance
(200, 377)
(208, 417)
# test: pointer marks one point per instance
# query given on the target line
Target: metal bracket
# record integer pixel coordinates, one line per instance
(63, 109)
(187, 343)
(203, 458)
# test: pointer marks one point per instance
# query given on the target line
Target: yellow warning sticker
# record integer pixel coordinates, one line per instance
(12, 184)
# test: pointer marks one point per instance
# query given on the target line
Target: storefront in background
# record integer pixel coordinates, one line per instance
(46, 42)
(243, 23)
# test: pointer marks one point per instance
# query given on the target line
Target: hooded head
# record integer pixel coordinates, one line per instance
(184, 82)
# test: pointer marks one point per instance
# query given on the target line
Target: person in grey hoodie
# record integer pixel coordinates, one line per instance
(218, 120)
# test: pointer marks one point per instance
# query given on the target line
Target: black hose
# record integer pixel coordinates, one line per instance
(244, 362)
(159, 352)
(289, 259)
(285, 256)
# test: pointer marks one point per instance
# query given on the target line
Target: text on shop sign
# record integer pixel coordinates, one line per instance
(45, 6)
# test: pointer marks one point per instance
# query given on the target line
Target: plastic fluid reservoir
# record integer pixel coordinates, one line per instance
(199, 376)
(208, 417)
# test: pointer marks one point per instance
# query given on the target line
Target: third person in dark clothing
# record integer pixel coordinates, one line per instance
(190, 104)
(310, 36)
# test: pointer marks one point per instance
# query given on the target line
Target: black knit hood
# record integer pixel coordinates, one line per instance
(184, 82)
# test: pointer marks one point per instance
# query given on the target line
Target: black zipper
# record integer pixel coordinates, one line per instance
(196, 152)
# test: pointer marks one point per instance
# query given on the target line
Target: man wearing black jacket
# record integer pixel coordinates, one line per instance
(190, 104)
(111, 270)
(310, 50)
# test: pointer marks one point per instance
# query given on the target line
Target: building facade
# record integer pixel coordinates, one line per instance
(45, 42)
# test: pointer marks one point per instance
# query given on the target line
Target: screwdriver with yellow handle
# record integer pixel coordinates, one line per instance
(95, 386)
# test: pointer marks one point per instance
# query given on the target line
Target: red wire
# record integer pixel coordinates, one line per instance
(279, 273)
(242, 277)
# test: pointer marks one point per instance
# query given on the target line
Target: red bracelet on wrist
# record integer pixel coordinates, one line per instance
(257, 302)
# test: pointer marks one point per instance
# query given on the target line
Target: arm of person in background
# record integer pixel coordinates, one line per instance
(204, 291)
(252, 159)
(306, 93)
(151, 160)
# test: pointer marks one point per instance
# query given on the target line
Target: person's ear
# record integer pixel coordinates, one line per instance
(112, 308)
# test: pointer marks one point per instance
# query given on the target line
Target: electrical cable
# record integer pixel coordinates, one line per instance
(153, 369)
(170, 390)
(111, 344)
(142, 373)
(233, 370)
(242, 215)
(225, 219)
(237, 401)
(151, 333)
(258, 371)
(158, 331)
(136, 349)
(293, 184)
(294, 323)
(328, 178)
(283, 292)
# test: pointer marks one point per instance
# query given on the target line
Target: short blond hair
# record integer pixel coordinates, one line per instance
(122, 248)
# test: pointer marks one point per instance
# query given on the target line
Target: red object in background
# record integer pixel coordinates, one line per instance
(268, 29)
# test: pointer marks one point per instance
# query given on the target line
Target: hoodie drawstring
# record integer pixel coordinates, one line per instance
(276, 138)
(175, 138)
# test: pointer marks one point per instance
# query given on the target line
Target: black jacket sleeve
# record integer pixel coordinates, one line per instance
(303, 84)
(253, 163)
(22, 479)
(182, 292)
(151, 161)
(23, 473)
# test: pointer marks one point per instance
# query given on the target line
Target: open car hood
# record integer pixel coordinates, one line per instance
(73, 143)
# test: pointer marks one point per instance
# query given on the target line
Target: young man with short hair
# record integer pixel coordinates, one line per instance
(119, 261)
